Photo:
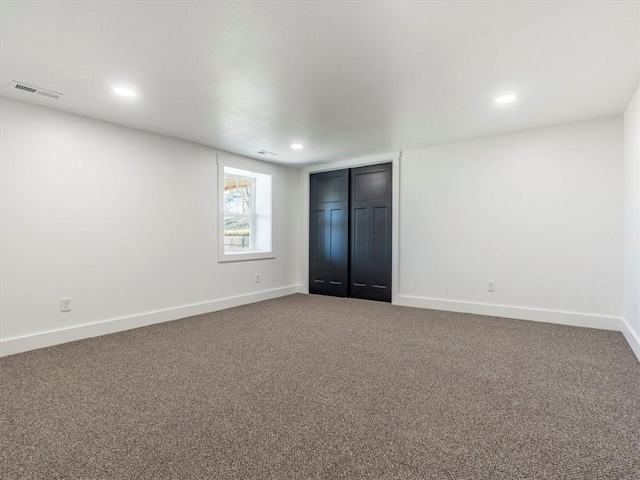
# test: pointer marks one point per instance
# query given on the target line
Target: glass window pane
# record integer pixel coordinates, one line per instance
(238, 193)
(237, 232)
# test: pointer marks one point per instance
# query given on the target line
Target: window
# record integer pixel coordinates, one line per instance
(245, 214)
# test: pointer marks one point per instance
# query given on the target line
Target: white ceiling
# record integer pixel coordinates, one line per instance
(347, 79)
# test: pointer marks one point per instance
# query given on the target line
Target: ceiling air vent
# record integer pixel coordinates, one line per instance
(38, 91)
(266, 152)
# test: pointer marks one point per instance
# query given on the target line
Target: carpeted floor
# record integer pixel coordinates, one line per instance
(307, 387)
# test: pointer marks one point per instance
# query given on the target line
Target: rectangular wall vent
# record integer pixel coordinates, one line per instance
(38, 91)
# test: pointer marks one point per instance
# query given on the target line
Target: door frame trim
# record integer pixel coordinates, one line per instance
(395, 160)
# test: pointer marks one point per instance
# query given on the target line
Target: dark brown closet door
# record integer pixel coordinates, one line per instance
(329, 233)
(370, 252)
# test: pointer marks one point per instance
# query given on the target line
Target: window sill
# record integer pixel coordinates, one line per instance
(244, 256)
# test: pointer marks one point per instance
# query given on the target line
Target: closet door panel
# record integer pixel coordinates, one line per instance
(370, 259)
(359, 256)
(328, 233)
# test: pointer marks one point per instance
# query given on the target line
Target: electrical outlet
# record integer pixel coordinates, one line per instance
(65, 304)
(257, 278)
(491, 286)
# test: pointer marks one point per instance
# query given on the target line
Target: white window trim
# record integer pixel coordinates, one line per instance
(250, 166)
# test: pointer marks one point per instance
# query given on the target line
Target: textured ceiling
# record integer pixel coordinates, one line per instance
(347, 79)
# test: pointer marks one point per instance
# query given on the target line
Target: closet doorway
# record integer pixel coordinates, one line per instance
(350, 232)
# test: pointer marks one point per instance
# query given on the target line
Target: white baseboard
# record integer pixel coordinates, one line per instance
(633, 339)
(518, 313)
(14, 345)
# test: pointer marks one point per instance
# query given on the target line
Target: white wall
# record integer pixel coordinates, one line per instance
(632, 223)
(123, 222)
(539, 212)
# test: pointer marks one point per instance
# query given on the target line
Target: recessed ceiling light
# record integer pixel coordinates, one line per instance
(297, 146)
(502, 99)
(124, 92)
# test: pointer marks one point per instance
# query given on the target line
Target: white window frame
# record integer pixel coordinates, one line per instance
(261, 238)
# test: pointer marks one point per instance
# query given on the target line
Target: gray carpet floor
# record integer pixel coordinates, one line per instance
(310, 387)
